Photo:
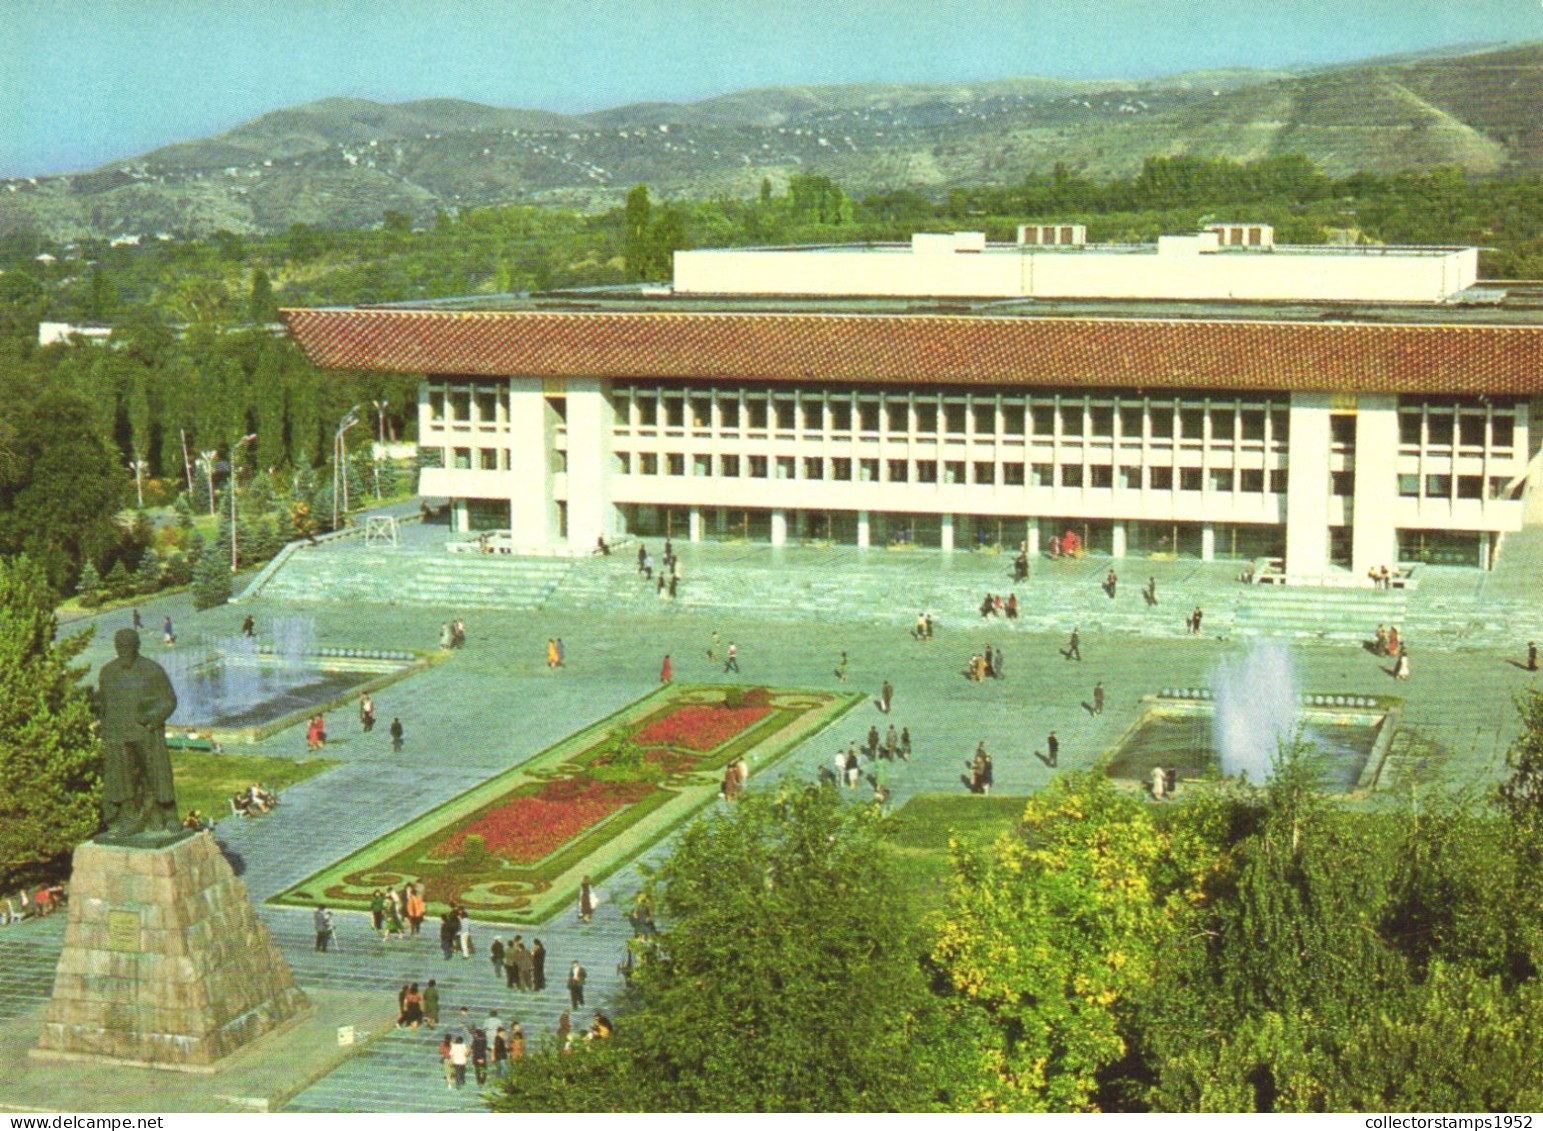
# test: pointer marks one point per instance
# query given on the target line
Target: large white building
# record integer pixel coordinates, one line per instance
(1212, 396)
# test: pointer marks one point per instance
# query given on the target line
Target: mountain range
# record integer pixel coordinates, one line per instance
(343, 162)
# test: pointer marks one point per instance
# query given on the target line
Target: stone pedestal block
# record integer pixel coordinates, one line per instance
(165, 962)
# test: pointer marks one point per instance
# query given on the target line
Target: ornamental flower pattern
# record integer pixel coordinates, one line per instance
(526, 829)
(700, 727)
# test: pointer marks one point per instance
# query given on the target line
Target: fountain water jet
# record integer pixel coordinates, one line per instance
(1256, 708)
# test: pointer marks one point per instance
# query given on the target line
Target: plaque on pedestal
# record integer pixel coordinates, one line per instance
(165, 962)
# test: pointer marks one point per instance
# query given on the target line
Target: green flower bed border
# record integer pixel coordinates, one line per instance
(532, 893)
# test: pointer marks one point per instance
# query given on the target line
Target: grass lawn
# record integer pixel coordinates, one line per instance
(925, 825)
(206, 781)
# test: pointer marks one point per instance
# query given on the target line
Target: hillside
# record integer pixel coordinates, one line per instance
(343, 162)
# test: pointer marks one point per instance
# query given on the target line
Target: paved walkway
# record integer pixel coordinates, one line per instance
(495, 703)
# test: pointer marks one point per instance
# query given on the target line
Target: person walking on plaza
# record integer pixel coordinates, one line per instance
(1098, 698)
(1532, 656)
(1393, 642)
(460, 1054)
(249, 627)
(576, 979)
(1110, 583)
(416, 909)
(562, 653)
(135, 622)
(496, 954)
(731, 660)
(463, 931)
(1401, 665)
(167, 633)
(448, 925)
(1150, 592)
(1052, 749)
(1194, 621)
(396, 734)
(587, 900)
(366, 712)
(996, 664)
(666, 671)
(537, 966)
(841, 668)
(511, 970)
(1381, 641)
(431, 1004)
(905, 744)
(1074, 647)
(886, 694)
(551, 653)
(323, 920)
(522, 977)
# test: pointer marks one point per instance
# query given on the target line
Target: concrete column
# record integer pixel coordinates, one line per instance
(461, 514)
(862, 530)
(695, 524)
(1118, 541)
(1373, 540)
(1208, 542)
(532, 511)
(1484, 554)
(1032, 537)
(1307, 489)
(779, 527)
(591, 425)
(947, 533)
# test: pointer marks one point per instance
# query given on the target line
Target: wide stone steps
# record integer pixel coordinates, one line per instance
(1332, 615)
(418, 577)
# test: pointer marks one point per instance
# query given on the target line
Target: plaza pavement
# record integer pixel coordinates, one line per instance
(495, 703)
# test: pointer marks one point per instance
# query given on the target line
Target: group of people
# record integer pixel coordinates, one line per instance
(452, 634)
(846, 768)
(985, 665)
(391, 908)
(1068, 545)
(481, 1047)
(253, 801)
(315, 733)
(923, 627)
(994, 606)
(668, 581)
(736, 775)
(556, 653)
(982, 773)
(1388, 643)
(522, 968)
(1164, 782)
(42, 902)
(1380, 576)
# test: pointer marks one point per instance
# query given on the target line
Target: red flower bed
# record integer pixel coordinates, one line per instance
(700, 727)
(525, 829)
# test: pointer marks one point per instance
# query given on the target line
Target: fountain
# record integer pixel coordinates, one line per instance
(236, 689)
(1256, 709)
(1234, 728)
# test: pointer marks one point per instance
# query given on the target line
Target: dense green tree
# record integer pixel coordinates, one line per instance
(61, 489)
(786, 979)
(637, 226)
(260, 305)
(49, 768)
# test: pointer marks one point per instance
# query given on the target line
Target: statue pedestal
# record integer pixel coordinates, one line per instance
(165, 963)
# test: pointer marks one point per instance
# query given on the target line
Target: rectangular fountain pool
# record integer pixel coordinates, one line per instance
(1348, 742)
(237, 690)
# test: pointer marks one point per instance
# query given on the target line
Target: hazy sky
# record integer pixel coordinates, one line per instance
(86, 81)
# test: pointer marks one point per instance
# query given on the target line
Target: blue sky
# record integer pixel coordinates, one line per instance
(86, 81)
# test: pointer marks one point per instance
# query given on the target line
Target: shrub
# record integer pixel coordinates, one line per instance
(474, 851)
(734, 698)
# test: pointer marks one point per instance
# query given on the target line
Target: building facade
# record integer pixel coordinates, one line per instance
(1335, 432)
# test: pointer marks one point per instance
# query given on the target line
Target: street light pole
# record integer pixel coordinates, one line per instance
(339, 474)
(380, 409)
(207, 460)
(139, 467)
(234, 449)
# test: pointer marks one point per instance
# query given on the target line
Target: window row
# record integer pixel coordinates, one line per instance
(1475, 430)
(466, 405)
(979, 472)
(1441, 487)
(730, 411)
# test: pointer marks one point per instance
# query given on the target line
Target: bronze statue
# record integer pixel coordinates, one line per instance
(137, 699)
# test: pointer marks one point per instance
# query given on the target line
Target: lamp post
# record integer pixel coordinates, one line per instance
(234, 449)
(206, 461)
(380, 409)
(339, 474)
(139, 467)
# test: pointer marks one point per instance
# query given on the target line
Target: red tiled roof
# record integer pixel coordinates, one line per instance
(935, 349)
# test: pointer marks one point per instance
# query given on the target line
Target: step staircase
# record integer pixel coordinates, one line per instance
(363, 574)
(1333, 616)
